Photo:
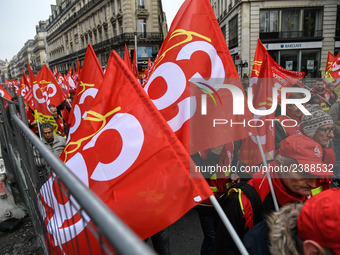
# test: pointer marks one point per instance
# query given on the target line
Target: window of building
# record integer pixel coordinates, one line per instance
(120, 23)
(141, 4)
(95, 37)
(104, 12)
(269, 21)
(312, 22)
(337, 31)
(142, 28)
(94, 20)
(224, 32)
(113, 9)
(233, 32)
(99, 18)
(119, 5)
(290, 20)
(100, 36)
(114, 29)
(75, 30)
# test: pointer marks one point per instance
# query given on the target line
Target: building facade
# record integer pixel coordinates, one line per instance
(39, 49)
(107, 25)
(19, 61)
(297, 34)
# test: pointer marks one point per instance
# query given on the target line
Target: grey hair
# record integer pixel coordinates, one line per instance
(46, 125)
(282, 228)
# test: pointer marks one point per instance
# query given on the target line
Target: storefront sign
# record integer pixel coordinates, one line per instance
(290, 46)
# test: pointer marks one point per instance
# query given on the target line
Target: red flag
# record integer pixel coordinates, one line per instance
(26, 91)
(131, 159)
(4, 93)
(63, 84)
(195, 49)
(49, 87)
(135, 67)
(46, 91)
(91, 79)
(332, 74)
(266, 74)
(127, 58)
(78, 73)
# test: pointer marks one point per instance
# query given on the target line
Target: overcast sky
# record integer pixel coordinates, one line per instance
(19, 18)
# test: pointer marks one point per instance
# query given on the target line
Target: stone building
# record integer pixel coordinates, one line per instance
(297, 34)
(39, 49)
(107, 25)
(19, 61)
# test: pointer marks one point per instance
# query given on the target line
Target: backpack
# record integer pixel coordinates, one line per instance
(254, 197)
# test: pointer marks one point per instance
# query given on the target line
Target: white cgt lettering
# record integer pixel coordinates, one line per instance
(132, 136)
(176, 84)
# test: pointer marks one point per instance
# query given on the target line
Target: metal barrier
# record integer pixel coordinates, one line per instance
(39, 174)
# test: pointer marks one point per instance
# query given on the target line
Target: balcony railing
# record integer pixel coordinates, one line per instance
(117, 41)
(283, 35)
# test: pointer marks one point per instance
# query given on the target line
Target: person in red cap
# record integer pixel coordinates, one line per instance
(309, 228)
(293, 173)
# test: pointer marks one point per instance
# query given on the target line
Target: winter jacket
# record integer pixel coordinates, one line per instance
(57, 145)
(276, 234)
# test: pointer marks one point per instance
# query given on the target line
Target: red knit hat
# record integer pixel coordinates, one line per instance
(306, 152)
(319, 220)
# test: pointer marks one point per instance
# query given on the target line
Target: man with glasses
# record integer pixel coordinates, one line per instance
(319, 126)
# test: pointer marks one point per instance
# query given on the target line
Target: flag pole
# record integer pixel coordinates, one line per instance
(276, 205)
(228, 225)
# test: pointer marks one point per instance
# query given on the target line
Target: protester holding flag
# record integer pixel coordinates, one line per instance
(246, 207)
(219, 183)
(324, 94)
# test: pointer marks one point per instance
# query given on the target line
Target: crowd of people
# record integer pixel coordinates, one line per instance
(247, 198)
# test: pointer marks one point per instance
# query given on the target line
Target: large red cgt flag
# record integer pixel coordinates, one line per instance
(192, 61)
(128, 156)
(46, 91)
(266, 75)
(90, 81)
